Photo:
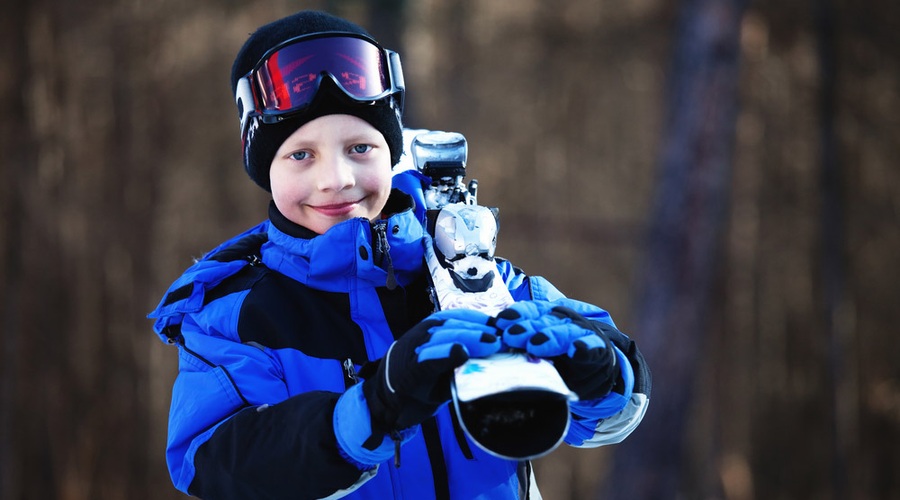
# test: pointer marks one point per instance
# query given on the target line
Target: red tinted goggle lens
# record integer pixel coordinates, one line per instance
(288, 78)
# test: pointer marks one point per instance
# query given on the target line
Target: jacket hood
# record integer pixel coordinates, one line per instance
(349, 254)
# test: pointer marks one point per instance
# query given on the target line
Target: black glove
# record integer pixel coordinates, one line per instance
(413, 378)
(580, 351)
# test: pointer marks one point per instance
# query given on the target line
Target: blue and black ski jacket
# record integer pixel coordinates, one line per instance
(271, 328)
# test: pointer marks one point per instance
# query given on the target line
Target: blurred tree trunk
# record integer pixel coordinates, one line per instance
(686, 234)
(833, 251)
(387, 21)
(15, 154)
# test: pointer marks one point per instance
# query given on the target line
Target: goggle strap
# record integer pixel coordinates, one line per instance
(396, 76)
(243, 97)
(396, 70)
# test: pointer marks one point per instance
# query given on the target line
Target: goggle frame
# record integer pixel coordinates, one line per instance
(249, 87)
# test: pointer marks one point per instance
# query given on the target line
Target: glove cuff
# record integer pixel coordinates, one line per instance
(613, 402)
(353, 427)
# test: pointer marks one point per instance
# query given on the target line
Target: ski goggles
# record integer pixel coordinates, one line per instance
(287, 78)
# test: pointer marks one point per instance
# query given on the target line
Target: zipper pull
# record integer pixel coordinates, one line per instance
(350, 376)
(395, 436)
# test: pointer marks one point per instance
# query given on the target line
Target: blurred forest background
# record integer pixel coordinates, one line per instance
(720, 175)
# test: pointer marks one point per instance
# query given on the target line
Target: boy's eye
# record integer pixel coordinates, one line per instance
(299, 155)
(361, 148)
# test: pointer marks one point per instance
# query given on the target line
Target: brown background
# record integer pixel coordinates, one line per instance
(120, 163)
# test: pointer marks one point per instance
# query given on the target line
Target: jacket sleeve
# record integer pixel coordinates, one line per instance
(235, 433)
(611, 419)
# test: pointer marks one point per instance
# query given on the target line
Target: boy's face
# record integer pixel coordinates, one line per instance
(332, 169)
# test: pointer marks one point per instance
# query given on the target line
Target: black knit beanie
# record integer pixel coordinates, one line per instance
(263, 140)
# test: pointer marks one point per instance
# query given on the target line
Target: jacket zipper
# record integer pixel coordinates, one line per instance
(382, 253)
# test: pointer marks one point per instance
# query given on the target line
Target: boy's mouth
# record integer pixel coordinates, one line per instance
(336, 209)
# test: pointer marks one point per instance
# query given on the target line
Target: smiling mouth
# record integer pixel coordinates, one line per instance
(336, 209)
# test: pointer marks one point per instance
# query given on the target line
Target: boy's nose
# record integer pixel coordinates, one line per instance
(336, 174)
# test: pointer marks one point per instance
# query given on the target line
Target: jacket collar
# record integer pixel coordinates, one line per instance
(351, 251)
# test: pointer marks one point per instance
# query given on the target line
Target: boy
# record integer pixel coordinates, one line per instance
(310, 354)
